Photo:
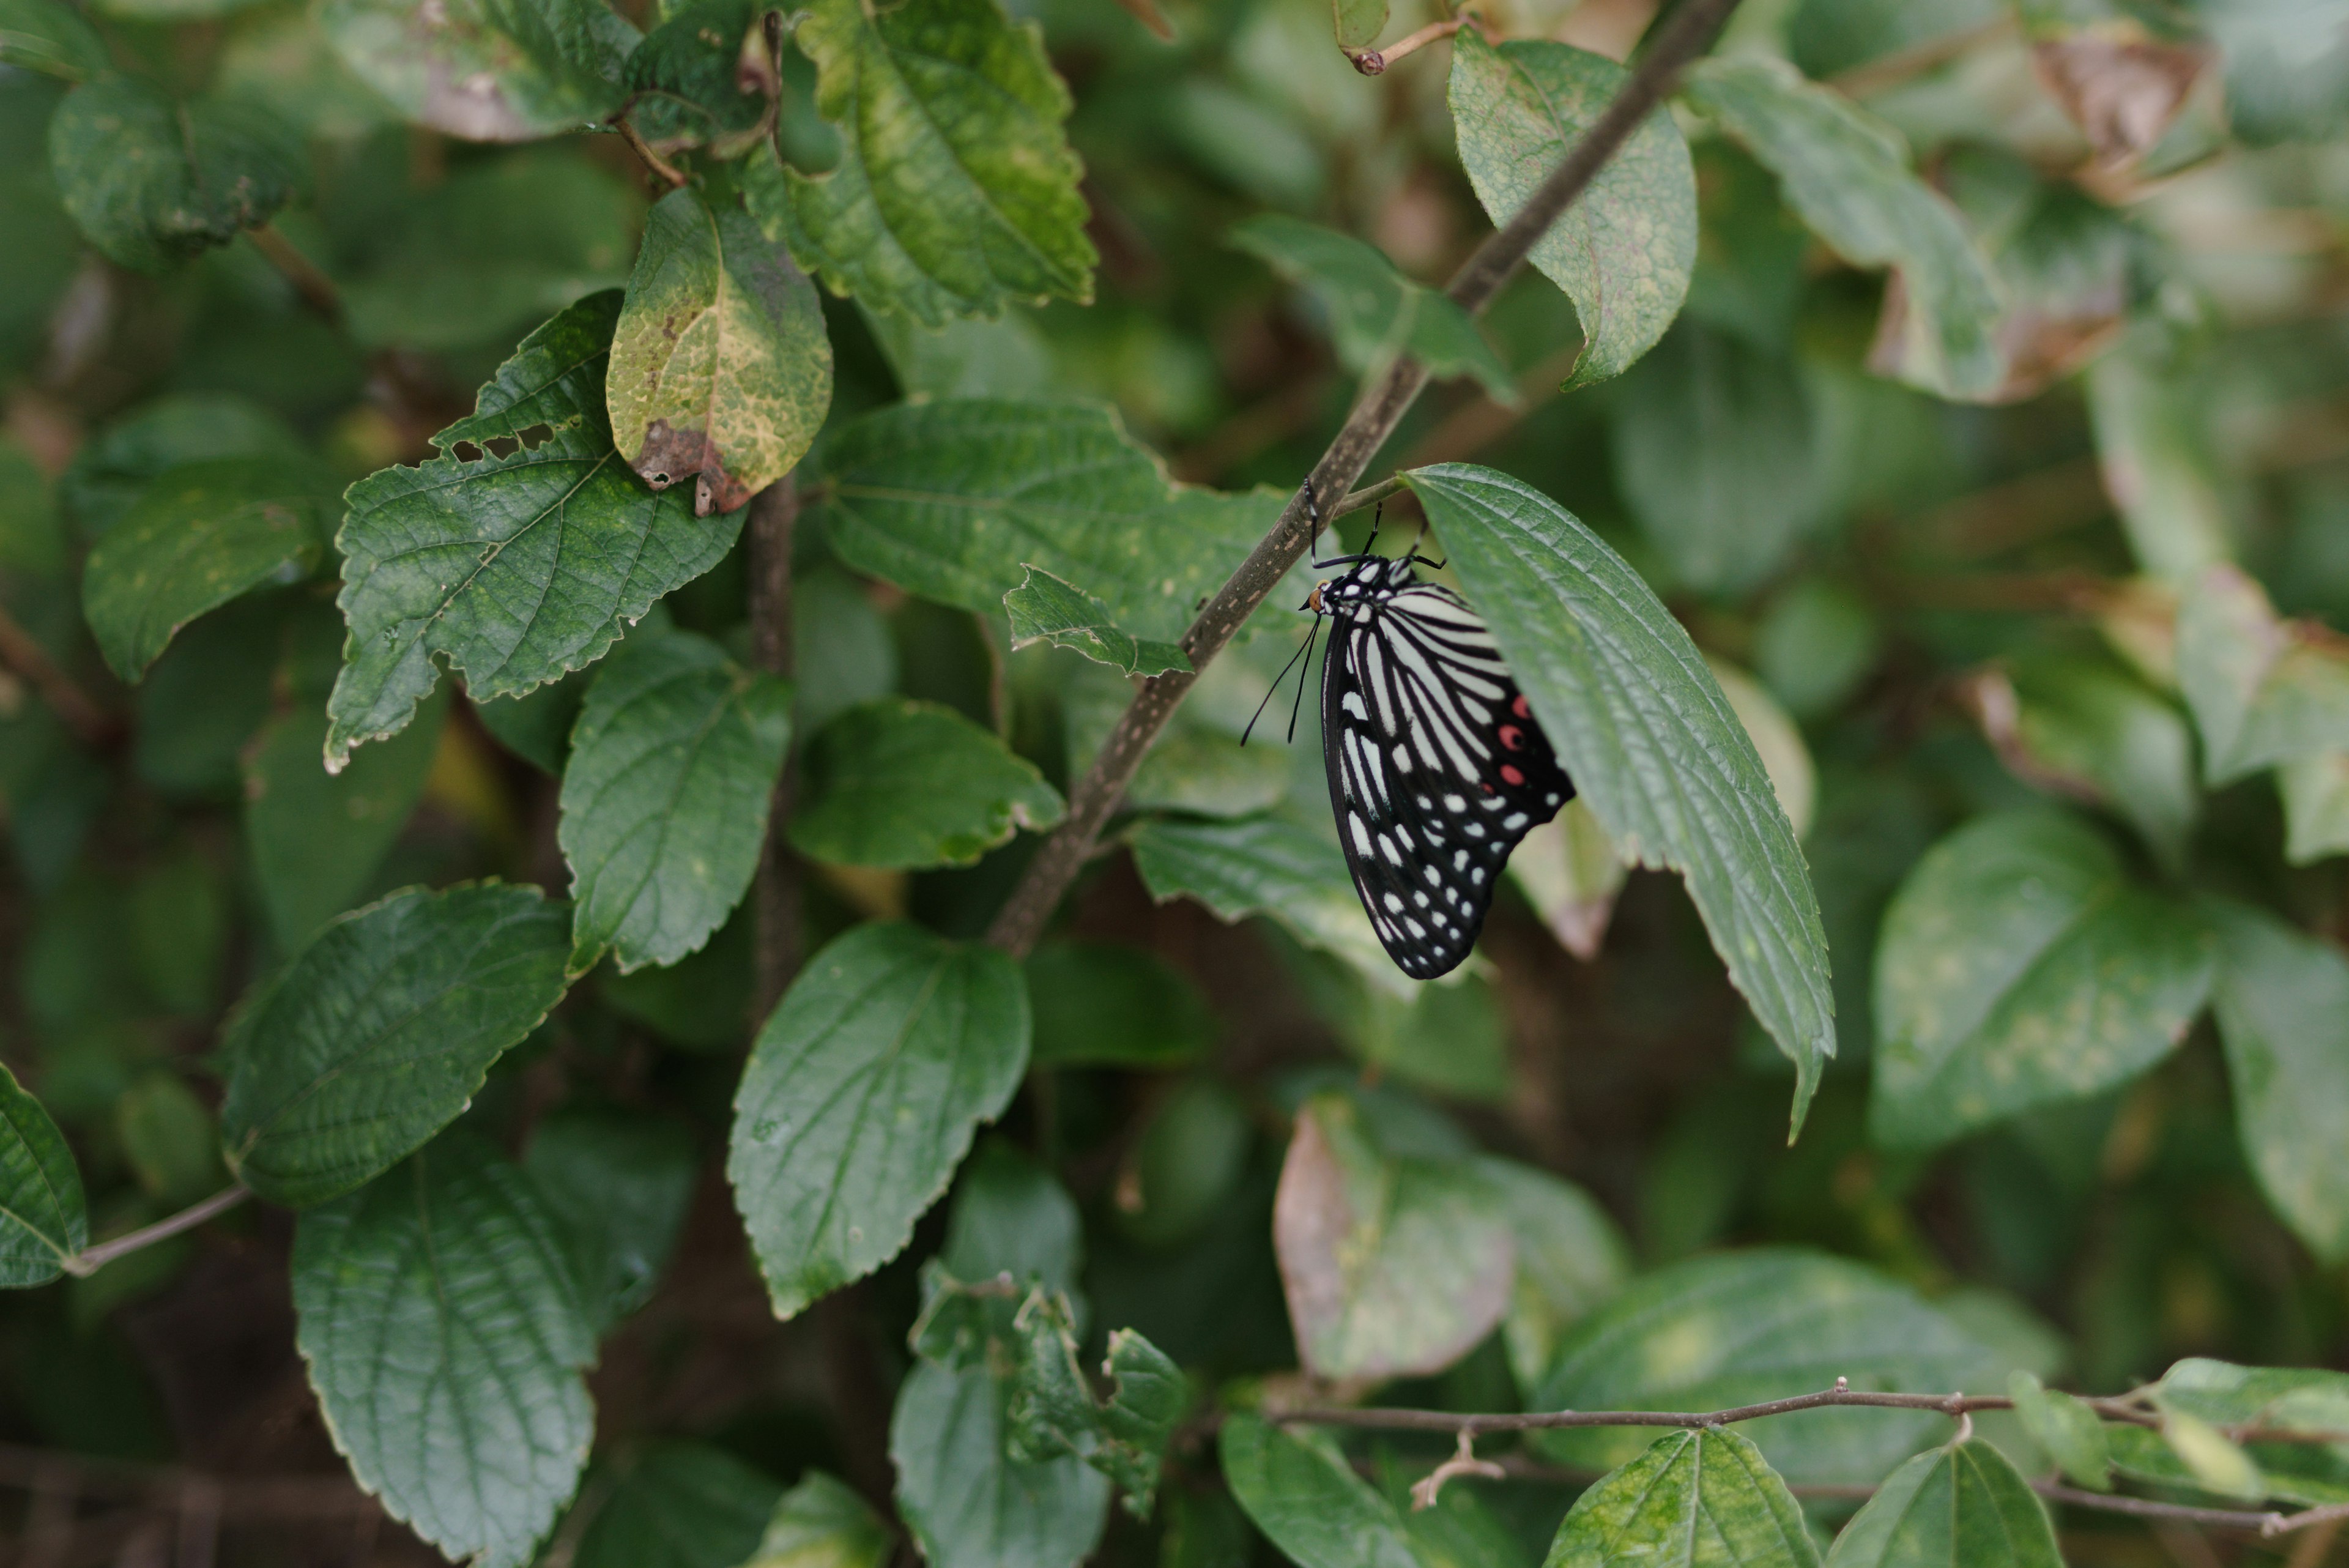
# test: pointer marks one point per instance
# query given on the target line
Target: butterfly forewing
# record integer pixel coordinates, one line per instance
(1437, 767)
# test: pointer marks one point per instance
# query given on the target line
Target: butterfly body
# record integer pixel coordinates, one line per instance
(1437, 767)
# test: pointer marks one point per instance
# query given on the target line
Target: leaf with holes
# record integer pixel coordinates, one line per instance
(1044, 608)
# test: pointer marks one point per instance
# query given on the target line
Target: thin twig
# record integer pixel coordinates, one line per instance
(774, 516)
(1370, 62)
(1954, 1406)
(1368, 495)
(1021, 919)
(90, 1259)
(22, 654)
(661, 168)
(315, 289)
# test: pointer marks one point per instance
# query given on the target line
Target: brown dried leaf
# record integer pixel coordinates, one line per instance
(2122, 91)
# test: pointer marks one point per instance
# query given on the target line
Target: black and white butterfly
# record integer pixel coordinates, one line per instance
(1437, 767)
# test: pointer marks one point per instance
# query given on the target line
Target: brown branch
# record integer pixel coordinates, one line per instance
(667, 173)
(774, 516)
(22, 654)
(1366, 430)
(90, 1259)
(315, 289)
(1370, 62)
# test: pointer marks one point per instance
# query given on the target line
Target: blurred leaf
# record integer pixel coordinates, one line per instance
(2121, 73)
(1197, 764)
(1816, 643)
(955, 500)
(1793, 778)
(859, 1098)
(1393, 1267)
(896, 783)
(1648, 739)
(31, 541)
(201, 534)
(1828, 38)
(1357, 23)
(487, 70)
(618, 1184)
(1960, 1504)
(702, 1001)
(1012, 1217)
(1621, 253)
(2082, 729)
(1102, 1005)
(43, 1219)
(2072, 1433)
(445, 1342)
(2272, 1398)
(843, 652)
(1847, 174)
(317, 838)
(956, 192)
(151, 182)
(1571, 1260)
(1043, 608)
(2019, 966)
(112, 471)
(178, 931)
(678, 1505)
(513, 570)
(1687, 1337)
(2282, 1003)
(1693, 1499)
(822, 1523)
(2262, 690)
(2218, 1462)
(50, 37)
(720, 367)
(964, 1502)
(1186, 1164)
(1375, 312)
(1571, 871)
(665, 797)
(167, 1135)
(698, 71)
(1299, 1490)
(377, 1034)
(2069, 266)
(1265, 865)
(2157, 465)
(2281, 85)
(2315, 792)
(1005, 357)
(282, 60)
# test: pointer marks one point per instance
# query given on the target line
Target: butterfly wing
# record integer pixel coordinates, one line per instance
(1437, 768)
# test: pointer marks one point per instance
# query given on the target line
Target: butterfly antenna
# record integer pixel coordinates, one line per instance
(1275, 688)
(1303, 676)
(1370, 543)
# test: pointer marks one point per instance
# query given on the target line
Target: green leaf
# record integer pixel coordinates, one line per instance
(1266, 866)
(843, 653)
(2072, 1433)
(2081, 728)
(2280, 86)
(2272, 1398)
(1299, 1490)
(113, 470)
(822, 1523)
(50, 37)
(665, 797)
(1694, 1499)
(1828, 37)
(955, 501)
(677, 1505)
(1570, 871)
(956, 193)
(1571, 1260)
(169, 1139)
(1653, 746)
(2315, 792)
(536, 725)
(1622, 252)
(1688, 1337)
(202, 533)
(1391, 1266)
(1447, 1038)
(444, 1340)
(1954, 1507)
(2282, 1003)
(1101, 1004)
(1357, 23)
(1375, 312)
(1010, 1217)
(378, 1033)
(617, 1184)
(43, 1219)
(487, 70)
(697, 73)
(1846, 173)
(2158, 462)
(2262, 690)
(1050, 1409)
(512, 569)
(1147, 1397)
(969, 1505)
(1186, 1164)
(150, 183)
(317, 839)
(861, 1097)
(2217, 1461)
(1044, 608)
(898, 783)
(1196, 765)
(2019, 966)
(721, 365)
(1714, 447)
(1008, 357)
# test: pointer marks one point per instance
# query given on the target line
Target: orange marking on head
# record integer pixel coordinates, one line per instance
(1313, 603)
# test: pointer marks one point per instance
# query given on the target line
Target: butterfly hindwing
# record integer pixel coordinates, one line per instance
(1437, 768)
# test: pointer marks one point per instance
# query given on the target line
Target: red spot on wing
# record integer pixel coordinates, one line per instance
(1510, 774)
(1519, 708)
(1512, 737)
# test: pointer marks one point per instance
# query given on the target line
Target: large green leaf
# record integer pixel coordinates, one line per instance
(150, 182)
(379, 1032)
(821, 1523)
(1392, 1266)
(1307, 1501)
(956, 193)
(2018, 966)
(898, 783)
(201, 534)
(113, 469)
(1738, 1327)
(513, 569)
(698, 73)
(51, 38)
(2263, 690)
(955, 500)
(487, 70)
(617, 1183)
(1695, 1499)
(1846, 173)
(42, 1220)
(861, 1097)
(445, 1342)
(665, 798)
(676, 1505)
(721, 370)
(2283, 1017)
(1266, 866)
(1653, 745)
(1623, 250)
(967, 1504)
(1963, 1506)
